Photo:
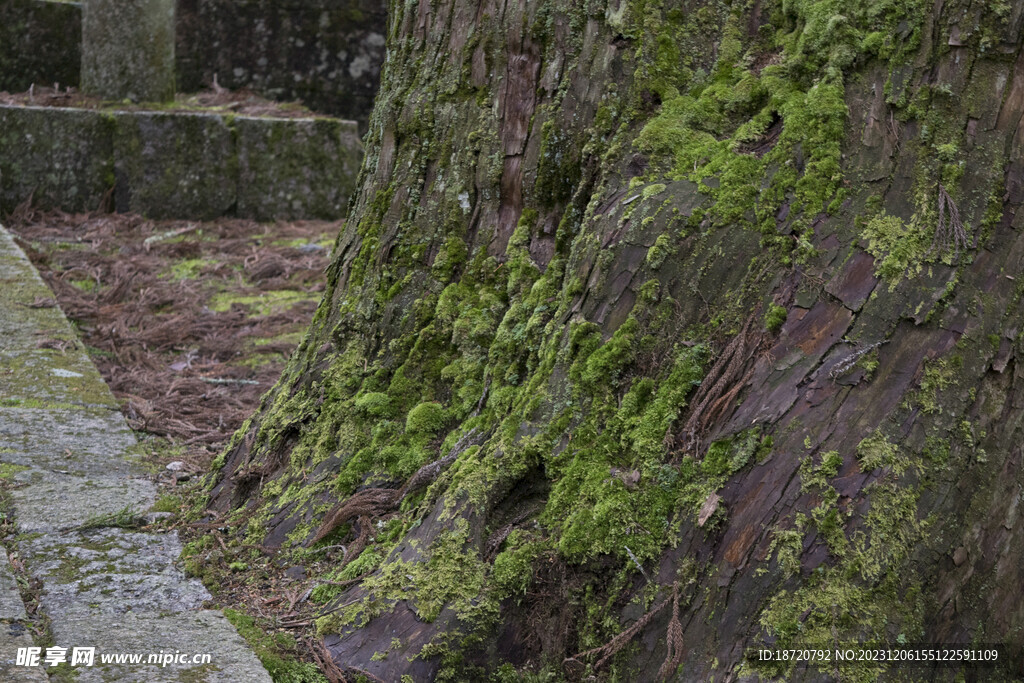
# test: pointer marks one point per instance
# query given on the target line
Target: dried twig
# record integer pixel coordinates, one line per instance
(160, 237)
(949, 227)
(636, 562)
(344, 550)
(723, 382)
(364, 672)
(895, 132)
(615, 645)
(41, 302)
(326, 663)
(220, 380)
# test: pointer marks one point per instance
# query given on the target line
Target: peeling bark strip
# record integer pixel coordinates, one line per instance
(606, 234)
(517, 104)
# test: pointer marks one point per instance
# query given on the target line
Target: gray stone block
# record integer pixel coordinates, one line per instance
(29, 375)
(49, 502)
(12, 637)
(205, 632)
(40, 42)
(128, 49)
(110, 571)
(51, 379)
(174, 165)
(178, 165)
(327, 53)
(296, 168)
(76, 442)
(63, 157)
(11, 606)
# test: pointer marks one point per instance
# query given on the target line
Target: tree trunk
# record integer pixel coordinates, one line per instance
(661, 330)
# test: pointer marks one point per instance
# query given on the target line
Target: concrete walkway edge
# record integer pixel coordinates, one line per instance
(70, 458)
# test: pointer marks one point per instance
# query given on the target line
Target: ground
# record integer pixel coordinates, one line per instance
(189, 324)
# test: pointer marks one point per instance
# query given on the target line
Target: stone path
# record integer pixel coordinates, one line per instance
(72, 459)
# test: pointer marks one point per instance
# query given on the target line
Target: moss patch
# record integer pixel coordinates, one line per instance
(277, 652)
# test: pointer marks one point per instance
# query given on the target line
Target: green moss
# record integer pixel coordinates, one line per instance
(265, 303)
(451, 256)
(558, 169)
(863, 595)
(452, 574)
(366, 562)
(815, 477)
(876, 451)
(611, 488)
(775, 317)
(193, 555)
(375, 404)
(8, 470)
(704, 130)
(187, 269)
(658, 252)
(278, 653)
(125, 518)
(70, 567)
(426, 418)
(786, 546)
(936, 451)
(512, 572)
(168, 503)
(899, 249)
(938, 375)
(830, 463)
(652, 190)
(603, 367)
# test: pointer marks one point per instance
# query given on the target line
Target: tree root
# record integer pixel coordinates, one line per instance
(377, 501)
(722, 384)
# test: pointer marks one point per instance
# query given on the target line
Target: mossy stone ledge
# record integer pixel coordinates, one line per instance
(190, 165)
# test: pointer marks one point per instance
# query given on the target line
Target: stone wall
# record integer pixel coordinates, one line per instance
(128, 50)
(177, 165)
(40, 42)
(326, 53)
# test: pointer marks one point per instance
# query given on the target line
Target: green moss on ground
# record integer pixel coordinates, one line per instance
(276, 651)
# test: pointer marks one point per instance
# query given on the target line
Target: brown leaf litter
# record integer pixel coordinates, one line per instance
(189, 323)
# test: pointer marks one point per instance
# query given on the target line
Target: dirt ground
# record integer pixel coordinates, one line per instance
(188, 322)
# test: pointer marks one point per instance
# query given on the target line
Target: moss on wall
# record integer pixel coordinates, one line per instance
(40, 42)
(177, 165)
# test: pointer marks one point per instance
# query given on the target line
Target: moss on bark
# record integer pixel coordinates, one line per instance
(575, 223)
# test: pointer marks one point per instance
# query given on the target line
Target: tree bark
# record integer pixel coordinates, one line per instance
(707, 314)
